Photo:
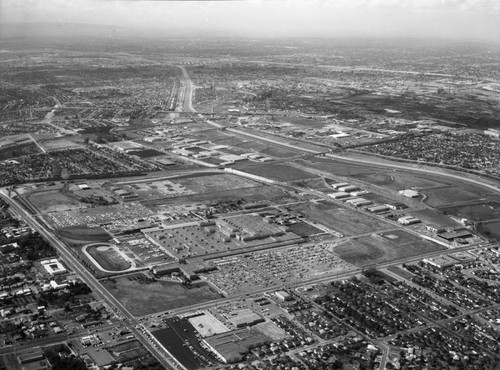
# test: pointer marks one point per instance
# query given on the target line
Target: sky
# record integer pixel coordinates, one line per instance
(456, 19)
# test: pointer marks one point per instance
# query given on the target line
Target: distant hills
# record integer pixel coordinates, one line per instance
(59, 30)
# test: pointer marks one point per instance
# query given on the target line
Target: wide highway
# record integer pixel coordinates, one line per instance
(91, 281)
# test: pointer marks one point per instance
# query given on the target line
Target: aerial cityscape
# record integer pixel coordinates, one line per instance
(197, 201)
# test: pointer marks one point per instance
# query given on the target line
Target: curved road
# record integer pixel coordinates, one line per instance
(91, 281)
(410, 168)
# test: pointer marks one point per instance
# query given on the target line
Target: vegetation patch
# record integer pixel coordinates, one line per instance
(278, 172)
(108, 257)
(143, 295)
(370, 250)
(84, 234)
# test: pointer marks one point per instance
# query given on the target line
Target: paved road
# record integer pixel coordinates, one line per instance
(410, 167)
(92, 282)
(186, 93)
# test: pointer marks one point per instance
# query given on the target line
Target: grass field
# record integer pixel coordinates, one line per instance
(369, 250)
(304, 229)
(52, 201)
(336, 168)
(475, 212)
(396, 181)
(18, 150)
(315, 183)
(342, 219)
(108, 257)
(280, 152)
(491, 230)
(143, 298)
(431, 216)
(84, 234)
(207, 184)
(278, 172)
(446, 196)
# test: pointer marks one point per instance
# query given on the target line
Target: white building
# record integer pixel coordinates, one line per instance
(54, 267)
(409, 193)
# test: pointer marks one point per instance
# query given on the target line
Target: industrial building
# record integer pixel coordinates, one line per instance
(244, 317)
(378, 209)
(283, 296)
(408, 220)
(54, 267)
(349, 188)
(339, 185)
(456, 234)
(231, 346)
(339, 195)
(359, 202)
(409, 193)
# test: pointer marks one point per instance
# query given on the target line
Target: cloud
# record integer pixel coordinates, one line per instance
(425, 18)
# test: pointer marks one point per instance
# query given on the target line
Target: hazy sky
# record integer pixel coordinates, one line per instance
(476, 19)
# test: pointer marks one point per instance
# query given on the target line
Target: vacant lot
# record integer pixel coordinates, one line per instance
(304, 229)
(475, 212)
(431, 216)
(52, 201)
(376, 249)
(446, 196)
(342, 219)
(251, 195)
(144, 298)
(207, 184)
(491, 230)
(396, 181)
(278, 172)
(280, 151)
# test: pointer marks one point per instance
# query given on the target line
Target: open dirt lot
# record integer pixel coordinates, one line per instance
(52, 201)
(341, 219)
(278, 172)
(144, 298)
(370, 250)
(446, 196)
(475, 212)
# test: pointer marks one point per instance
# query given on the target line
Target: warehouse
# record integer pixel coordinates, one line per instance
(349, 188)
(339, 195)
(455, 234)
(378, 209)
(231, 346)
(359, 202)
(408, 220)
(339, 185)
(409, 193)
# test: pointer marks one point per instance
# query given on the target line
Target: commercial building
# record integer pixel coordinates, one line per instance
(283, 296)
(54, 267)
(441, 262)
